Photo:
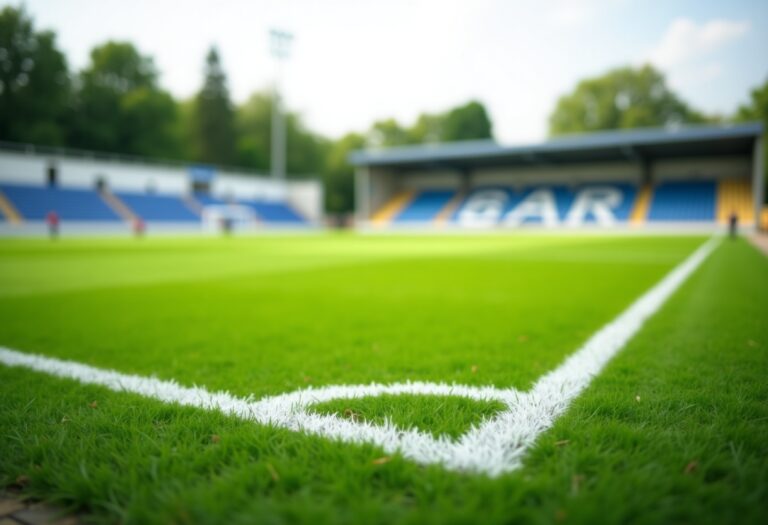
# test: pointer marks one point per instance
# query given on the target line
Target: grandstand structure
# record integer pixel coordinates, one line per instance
(682, 177)
(92, 192)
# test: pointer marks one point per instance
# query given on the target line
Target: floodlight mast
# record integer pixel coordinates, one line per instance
(280, 45)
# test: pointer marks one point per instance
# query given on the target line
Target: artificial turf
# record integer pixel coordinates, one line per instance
(672, 431)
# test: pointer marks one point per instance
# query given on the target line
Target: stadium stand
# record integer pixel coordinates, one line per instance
(735, 196)
(564, 199)
(274, 212)
(628, 204)
(683, 201)
(34, 203)
(395, 205)
(158, 208)
(425, 206)
(692, 177)
(8, 211)
(640, 208)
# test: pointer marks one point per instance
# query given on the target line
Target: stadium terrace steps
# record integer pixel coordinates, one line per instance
(392, 208)
(8, 211)
(425, 207)
(735, 196)
(117, 205)
(193, 205)
(444, 215)
(35, 202)
(158, 208)
(642, 203)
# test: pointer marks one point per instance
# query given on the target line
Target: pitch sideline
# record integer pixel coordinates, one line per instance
(494, 447)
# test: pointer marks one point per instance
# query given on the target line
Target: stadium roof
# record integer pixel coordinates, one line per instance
(625, 145)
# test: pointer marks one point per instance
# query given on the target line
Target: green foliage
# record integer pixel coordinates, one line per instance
(306, 150)
(388, 133)
(428, 129)
(150, 116)
(467, 122)
(757, 107)
(338, 177)
(254, 124)
(621, 98)
(120, 107)
(214, 121)
(757, 110)
(672, 431)
(34, 82)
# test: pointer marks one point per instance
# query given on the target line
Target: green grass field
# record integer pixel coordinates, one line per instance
(674, 430)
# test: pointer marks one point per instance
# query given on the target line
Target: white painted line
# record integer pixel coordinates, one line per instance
(494, 447)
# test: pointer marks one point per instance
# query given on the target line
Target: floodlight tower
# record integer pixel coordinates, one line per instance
(280, 44)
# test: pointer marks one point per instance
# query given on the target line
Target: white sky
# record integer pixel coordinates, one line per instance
(355, 61)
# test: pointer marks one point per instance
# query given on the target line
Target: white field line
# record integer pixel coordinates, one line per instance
(494, 447)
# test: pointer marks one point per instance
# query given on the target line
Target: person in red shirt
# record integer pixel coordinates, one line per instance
(52, 219)
(139, 227)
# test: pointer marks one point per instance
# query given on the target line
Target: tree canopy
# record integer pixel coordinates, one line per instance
(214, 121)
(119, 106)
(338, 176)
(466, 122)
(756, 109)
(34, 82)
(621, 98)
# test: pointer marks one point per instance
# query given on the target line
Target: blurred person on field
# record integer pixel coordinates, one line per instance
(139, 227)
(52, 220)
(733, 225)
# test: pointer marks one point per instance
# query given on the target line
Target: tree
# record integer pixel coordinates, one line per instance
(621, 98)
(467, 122)
(387, 133)
(338, 178)
(34, 82)
(213, 123)
(306, 150)
(253, 122)
(428, 129)
(120, 107)
(757, 109)
(149, 118)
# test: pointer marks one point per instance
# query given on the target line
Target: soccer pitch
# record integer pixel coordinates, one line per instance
(673, 429)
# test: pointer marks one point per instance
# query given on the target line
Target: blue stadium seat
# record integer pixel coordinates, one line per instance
(35, 202)
(275, 212)
(425, 206)
(161, 208)
(683, 201)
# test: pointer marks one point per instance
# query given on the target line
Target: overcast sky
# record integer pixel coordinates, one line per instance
(355, 61)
